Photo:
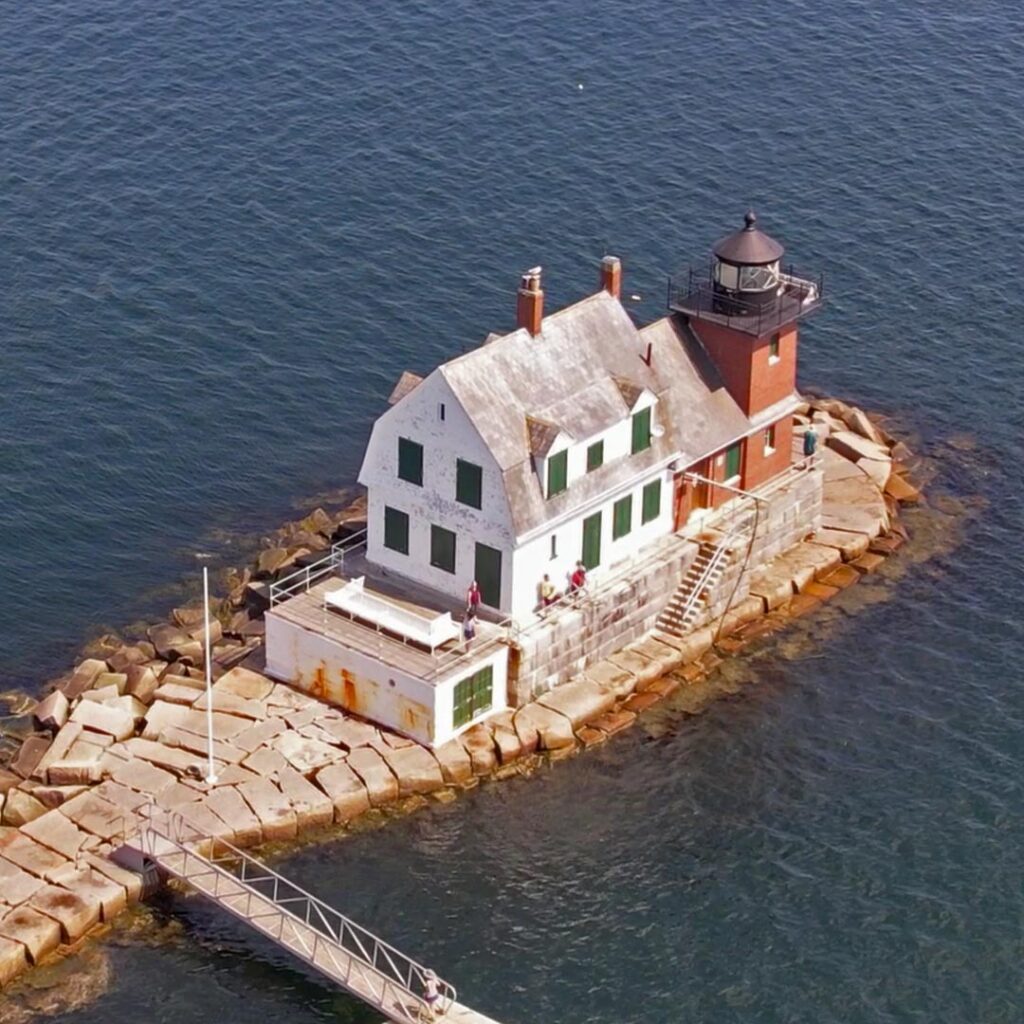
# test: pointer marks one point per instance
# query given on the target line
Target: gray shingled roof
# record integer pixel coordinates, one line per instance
(541, 435)
(406, 383)
(571, 376)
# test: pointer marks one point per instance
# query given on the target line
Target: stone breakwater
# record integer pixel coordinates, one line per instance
(127, 727)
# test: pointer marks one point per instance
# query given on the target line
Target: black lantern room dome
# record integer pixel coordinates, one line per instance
(746, 268)
(749, 245)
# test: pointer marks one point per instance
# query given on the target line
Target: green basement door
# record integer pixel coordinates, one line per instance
(592, 540)
(488, 574)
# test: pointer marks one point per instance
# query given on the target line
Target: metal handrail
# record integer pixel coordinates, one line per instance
(590, 591)
(391, 977)
(697, 588)
(762, 494)
(302, 579)
(445, 661)
(699, 296)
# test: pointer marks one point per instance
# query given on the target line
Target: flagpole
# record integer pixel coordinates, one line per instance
(211, 775)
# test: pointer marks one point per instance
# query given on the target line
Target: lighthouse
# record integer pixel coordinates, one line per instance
(744, 309)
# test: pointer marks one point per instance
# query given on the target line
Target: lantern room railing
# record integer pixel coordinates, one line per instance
(693, 293)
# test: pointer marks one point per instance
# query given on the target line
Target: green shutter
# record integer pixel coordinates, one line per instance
(651, 501)
(622, 517)
(410, 461)
(468, 483)
(732, 461)
(558, 473)
(487, 572)
(473, 696)
(396, 530)
(641, 430)
(442, 548)
(591, 554)
(595, 456)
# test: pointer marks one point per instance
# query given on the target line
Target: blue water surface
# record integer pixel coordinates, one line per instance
(227, 228)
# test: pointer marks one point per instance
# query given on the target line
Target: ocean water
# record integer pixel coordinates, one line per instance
(226, 229)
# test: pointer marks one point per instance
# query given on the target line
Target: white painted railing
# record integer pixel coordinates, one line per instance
(331, 564)
(697, 587)
(326, 939)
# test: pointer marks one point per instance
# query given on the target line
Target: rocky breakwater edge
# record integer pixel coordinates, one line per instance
(126, 729)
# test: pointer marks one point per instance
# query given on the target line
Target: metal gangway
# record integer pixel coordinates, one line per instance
(316, 933)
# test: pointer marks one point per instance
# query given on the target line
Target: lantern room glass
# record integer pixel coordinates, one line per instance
(746, 279)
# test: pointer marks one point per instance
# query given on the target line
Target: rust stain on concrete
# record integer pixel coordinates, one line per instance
(318, 687)
(349, 695)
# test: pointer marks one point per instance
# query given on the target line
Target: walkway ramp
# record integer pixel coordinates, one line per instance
(336, 946)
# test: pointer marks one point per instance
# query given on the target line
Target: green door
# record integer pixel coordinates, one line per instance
(592, 540)
(488, 574)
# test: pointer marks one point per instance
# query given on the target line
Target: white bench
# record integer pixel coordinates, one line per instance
(355, 600)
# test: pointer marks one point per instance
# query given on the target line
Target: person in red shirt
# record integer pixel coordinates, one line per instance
(473, 599)
(578, 579)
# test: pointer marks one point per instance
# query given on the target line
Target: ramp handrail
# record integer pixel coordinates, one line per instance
(721, 553)
(302, 579)
(740, 520)
(401, 979)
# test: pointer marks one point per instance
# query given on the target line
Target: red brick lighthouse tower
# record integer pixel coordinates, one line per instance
(744, 310)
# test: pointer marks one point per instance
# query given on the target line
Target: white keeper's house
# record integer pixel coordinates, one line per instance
(578, 436)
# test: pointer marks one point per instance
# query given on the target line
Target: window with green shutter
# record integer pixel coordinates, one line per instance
(595, 455)
(732, 461)
(410, 461)
(473, 696)
(641, 430)
(469, 483)
(651, 501)
(396, 530)
(558, 473)
(442, 548)
(622, 517)
(591, 555)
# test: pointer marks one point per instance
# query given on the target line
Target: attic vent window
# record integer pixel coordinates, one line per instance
(558, 473)
(440, 411)
(642, 430)
(595, 456)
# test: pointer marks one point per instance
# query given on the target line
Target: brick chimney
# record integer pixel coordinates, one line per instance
(611, 276)
(530, 302)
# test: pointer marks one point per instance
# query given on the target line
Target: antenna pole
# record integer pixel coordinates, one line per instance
(211, 775)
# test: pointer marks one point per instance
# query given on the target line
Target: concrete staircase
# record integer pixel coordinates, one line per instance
(691, 596)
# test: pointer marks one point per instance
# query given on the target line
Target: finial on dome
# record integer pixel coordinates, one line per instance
(750, 219)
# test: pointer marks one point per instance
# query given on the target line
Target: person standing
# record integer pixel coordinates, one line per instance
(473, 599)
(810, 442)
(548, 594)
(468, 628)
(431, 993)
